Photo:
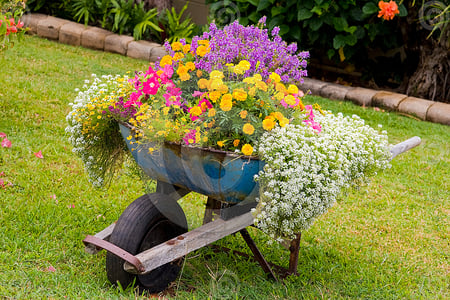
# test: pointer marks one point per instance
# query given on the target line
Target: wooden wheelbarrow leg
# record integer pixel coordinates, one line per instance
(293, 258)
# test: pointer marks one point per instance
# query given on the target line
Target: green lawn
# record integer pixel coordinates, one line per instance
(389, 240)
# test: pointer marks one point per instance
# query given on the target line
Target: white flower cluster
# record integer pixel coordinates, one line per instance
(80, 119)
(306, 171)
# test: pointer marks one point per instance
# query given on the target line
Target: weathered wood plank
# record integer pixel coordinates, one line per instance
(188, 242)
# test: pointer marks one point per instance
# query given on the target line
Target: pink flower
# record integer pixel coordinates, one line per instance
(198, 94)
(50, 269)
(167, 73)
(2, 183)
(189, 138)
(151, 86)
(2, 134)
(205, 104)
(2, 173)
(39, 154)
(6, 143)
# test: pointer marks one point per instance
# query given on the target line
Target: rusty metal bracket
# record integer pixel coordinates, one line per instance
(110, 247)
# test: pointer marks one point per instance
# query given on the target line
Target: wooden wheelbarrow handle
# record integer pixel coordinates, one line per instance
(405, 146)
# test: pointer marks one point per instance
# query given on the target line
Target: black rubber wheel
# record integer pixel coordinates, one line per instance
(148, 221)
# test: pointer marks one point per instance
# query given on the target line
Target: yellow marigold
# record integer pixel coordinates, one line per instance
(216, 75)
(185, 77)
(221, 143)
(176, 46)
(248, 129)
(247, 149)
(249, 80)
(269, 123)
(236, 143)
(202, 50)
(245, 65)
(214, 95)
(292, 89)
(238, 70)
(243, 114)
(182, 70)
(211, 112)
(279, 96)
(203, 83)
(186, 48)
(190, 65)
(283, 122)
(252, 91)
(203, 42)
(196, 111)
(278, 115)
(275, 77)
(261, 85)
(166, 60)
(215, 83)
(281, 87)
(226, 103)
(199, 73)
(257, 77)
(239, 94)
(290, 100)
(178, 56)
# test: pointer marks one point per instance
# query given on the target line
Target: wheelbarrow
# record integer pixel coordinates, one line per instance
(148, 243)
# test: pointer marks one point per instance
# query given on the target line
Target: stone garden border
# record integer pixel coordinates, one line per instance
(76, 34)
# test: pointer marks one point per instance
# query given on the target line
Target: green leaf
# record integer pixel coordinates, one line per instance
(263, 4)
(351, 29)
(340, 24)
(403, 11)
(254, 17)
(315, 24)
(304, 14)
(317, 10)
(253, 2)
(276, 10)
(283, 29)
(370, 8)
(330, 53)
(339, 41)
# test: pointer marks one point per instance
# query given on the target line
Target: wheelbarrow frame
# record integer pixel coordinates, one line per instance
(224, 215)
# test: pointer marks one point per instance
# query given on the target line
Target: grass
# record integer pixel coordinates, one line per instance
(387, 241)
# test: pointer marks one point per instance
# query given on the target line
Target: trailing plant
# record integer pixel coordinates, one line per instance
(11, 28)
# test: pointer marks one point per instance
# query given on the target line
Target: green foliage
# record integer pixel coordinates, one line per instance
(340, 31)
(176, 27)
(121, 16)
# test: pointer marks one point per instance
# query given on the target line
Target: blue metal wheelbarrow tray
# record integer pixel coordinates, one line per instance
(148, 243)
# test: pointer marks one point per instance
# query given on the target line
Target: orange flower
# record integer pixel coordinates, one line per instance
(248, 129)
(202, 50)
(220, 143)
(214, 96)
(211, 112)
(186, 48)
(269, 123)
(388, 10)
(195, 111)
(236, 143)
(247, 149)
(243, 114)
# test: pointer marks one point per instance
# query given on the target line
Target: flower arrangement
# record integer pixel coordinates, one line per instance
(232, 89)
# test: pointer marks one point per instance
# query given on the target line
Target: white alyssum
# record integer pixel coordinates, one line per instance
(305, 171)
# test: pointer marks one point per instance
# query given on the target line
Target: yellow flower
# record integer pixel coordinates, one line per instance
(261, 85)
(176, 46)
(243, 114)
(252, 91)
(214, 96)
(290, 100)
(178, 56)
(203, 83)
(248, 129)
(269, 123)
(202, 50)
(226, 103)
(279, 96)
(205, 139)
(249, 80)
(196, 111)
(166, 60)
(182, 70)
(215, 83)
(240, 94)
(236, 143)
(292, 89)
(238, 70)
(216, 75)
(199, 73)
(220, 143)
(185, 77)
(247, 149)
(211, 112)
(284, 122)
(257, 77)
(245, 65)
(190, 65)
(186, 48)
(275, 77)
(281, 88)
(203, 42)
(278, 115)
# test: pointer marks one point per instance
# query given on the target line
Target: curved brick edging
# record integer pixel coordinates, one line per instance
(426, 110)
(76, 34)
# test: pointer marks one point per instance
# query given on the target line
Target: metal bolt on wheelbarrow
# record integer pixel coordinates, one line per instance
(147, 244)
